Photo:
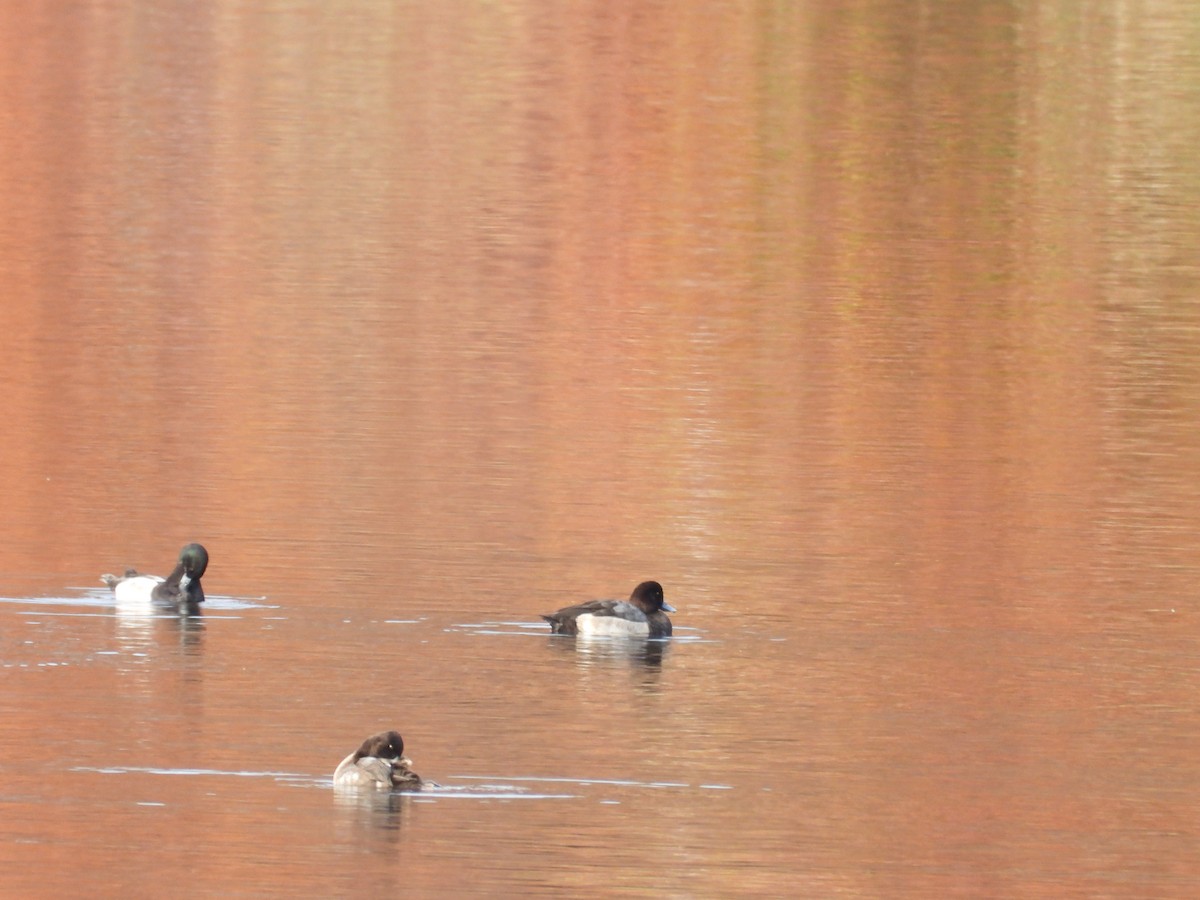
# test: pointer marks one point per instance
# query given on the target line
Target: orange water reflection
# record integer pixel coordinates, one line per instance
(868, 332)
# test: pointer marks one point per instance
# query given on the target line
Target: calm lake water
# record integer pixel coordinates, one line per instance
(871, 330)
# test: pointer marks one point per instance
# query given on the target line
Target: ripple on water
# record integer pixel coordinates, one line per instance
(102, 599)
(484, 787)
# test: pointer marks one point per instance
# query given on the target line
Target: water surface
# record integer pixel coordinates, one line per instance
(870, 332)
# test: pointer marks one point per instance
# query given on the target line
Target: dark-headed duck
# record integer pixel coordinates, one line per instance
(379, 763)
(181, 590)
(644, 614)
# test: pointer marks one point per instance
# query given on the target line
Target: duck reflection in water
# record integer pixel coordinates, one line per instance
(586, 651)
(374, 811)
(146, 639)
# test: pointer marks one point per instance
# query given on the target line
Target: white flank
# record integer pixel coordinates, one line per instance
(611, 625)
(136, 591)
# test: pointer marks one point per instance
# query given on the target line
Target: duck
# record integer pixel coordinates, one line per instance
(181, 590)
(644, 614)
(379, 763)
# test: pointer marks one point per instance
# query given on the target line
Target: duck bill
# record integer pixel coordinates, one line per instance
(667, 607)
